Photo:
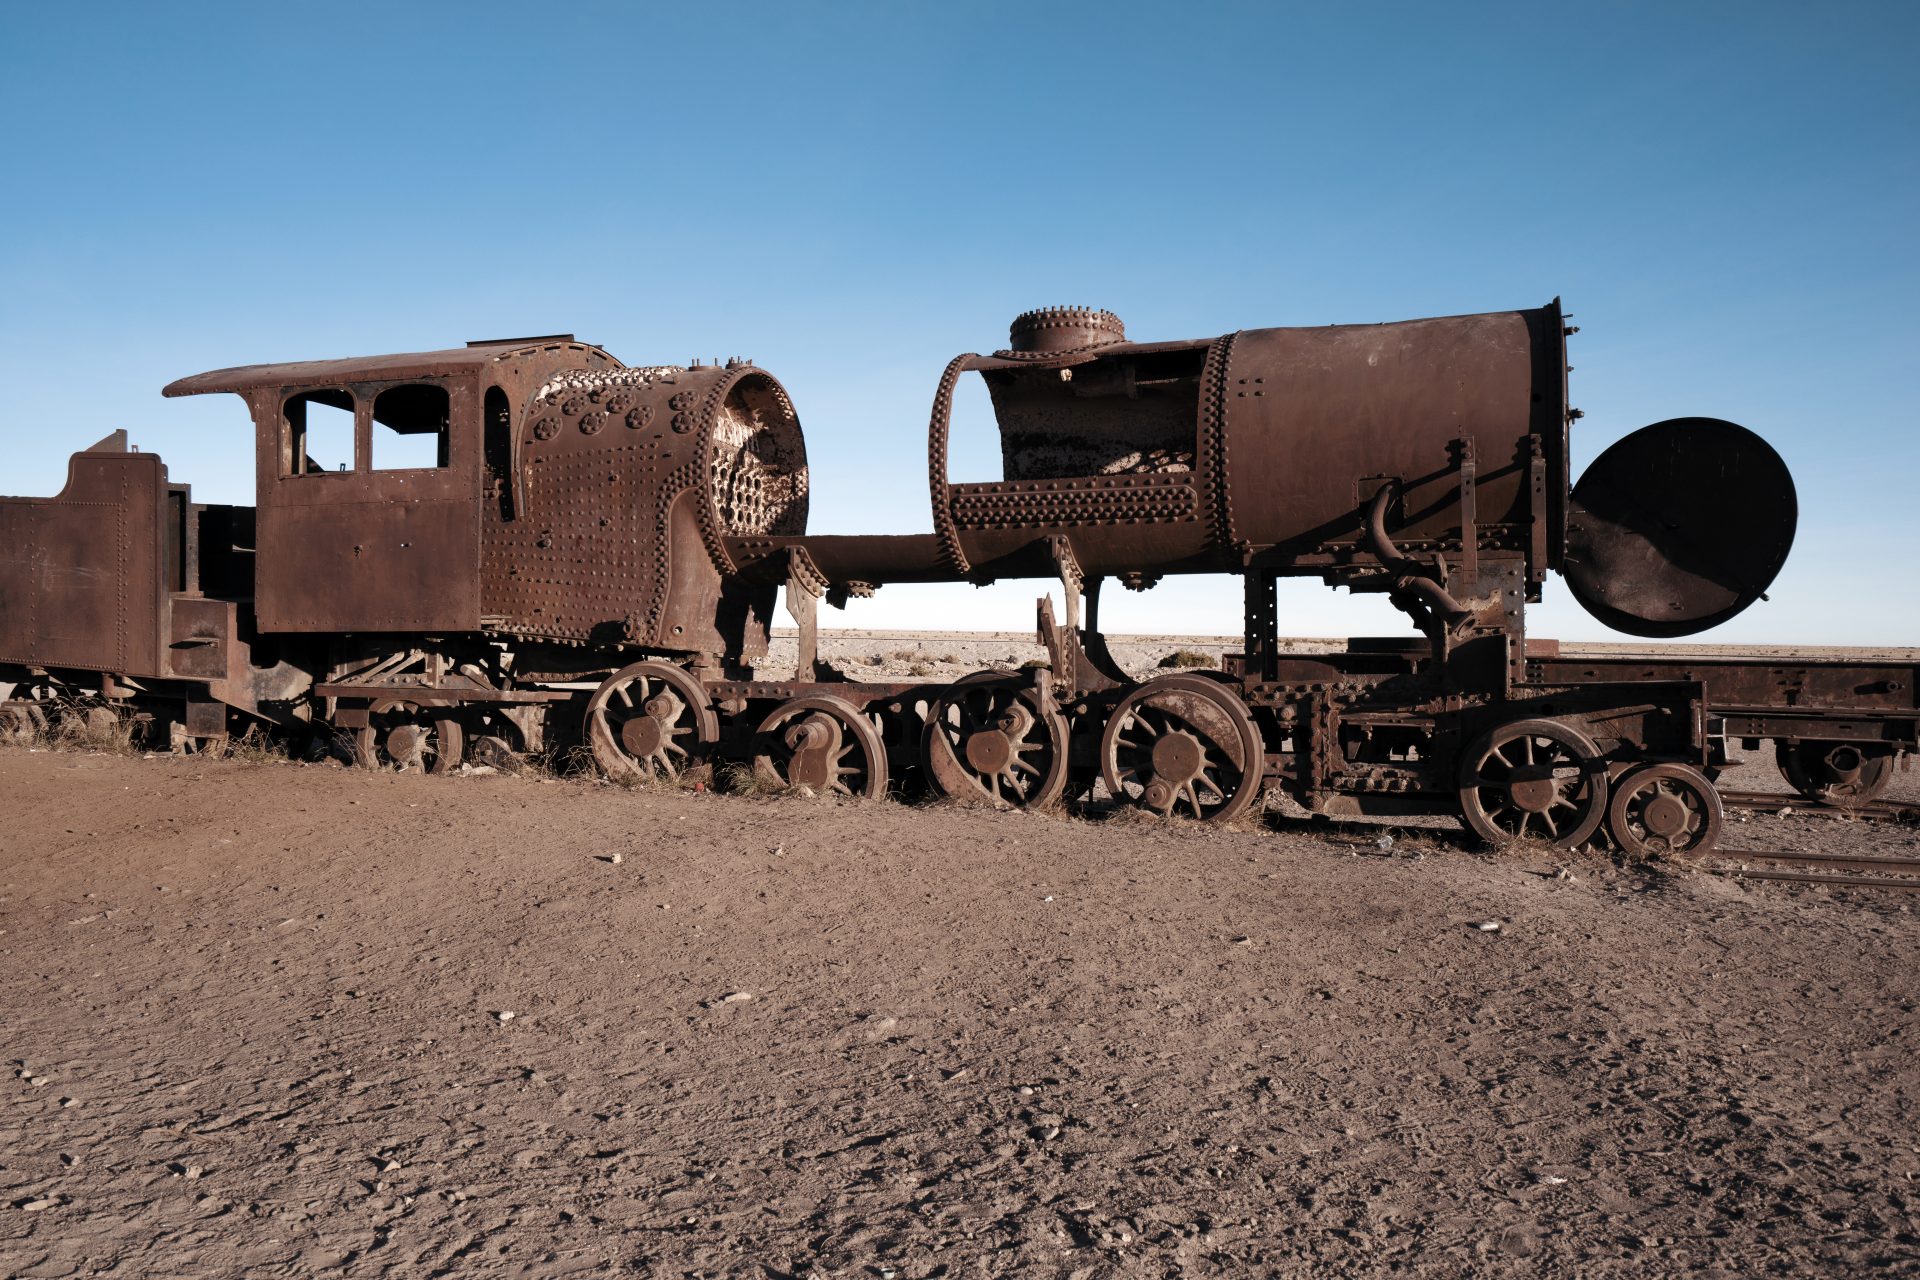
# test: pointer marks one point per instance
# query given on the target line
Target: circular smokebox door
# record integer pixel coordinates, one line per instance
(1678, 527)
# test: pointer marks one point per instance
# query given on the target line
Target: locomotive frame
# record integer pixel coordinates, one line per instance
(593, 556)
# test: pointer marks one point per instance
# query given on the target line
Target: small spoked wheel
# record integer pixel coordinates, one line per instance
(405, 736)
(1665, 810)
(821, 743)
(990, 739)
(1183, 745)
(650, 720)
(1845, 775)
(1534, 780)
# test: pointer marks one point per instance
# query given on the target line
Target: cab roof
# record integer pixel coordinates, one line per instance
(452, 362)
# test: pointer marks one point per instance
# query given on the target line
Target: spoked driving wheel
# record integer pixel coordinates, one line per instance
(1183, 745)
(650, 720)
(991, 739)
(1665, 810)
(1534, 779)
(404, 736)
(821, 743)
(1845, 775)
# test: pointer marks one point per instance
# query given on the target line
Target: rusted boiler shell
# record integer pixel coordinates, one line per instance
(628, 483)
(1171, 457)
(1262, 448)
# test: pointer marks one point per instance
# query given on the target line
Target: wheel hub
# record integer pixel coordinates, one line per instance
(1177, 758)
(1843, 764)
(642, 736)
(404, 743)
(989, 751)
(1664, 816)
(809, 767)
(1535, 793)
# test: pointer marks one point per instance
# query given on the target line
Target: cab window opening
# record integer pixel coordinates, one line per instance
(319, 432)
(417, 435)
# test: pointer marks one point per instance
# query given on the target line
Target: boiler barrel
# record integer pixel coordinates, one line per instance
(1266, 446)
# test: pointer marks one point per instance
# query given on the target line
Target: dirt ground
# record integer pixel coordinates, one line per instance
(266, 1020)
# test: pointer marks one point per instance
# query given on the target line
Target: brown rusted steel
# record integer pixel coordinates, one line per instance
(1775, 802)
(1679, 526)
(83, 573)
(1823, 864)
(576, 552)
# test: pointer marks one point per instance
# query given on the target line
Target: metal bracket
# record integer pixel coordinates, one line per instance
(805, 585)
(1537, 496)
(1067, 565)
(1463, 457)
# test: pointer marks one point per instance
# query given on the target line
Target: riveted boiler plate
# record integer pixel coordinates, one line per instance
(1678, 527)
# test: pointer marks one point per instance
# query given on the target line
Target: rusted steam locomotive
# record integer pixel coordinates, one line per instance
(573, 550)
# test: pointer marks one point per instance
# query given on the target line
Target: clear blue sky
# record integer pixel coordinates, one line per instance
(1726, 195)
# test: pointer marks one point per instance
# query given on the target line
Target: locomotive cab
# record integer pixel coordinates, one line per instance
(371, 476)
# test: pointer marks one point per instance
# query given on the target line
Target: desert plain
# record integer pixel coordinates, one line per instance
(261, 1018)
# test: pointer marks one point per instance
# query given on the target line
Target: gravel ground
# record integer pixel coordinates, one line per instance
(290, 1020)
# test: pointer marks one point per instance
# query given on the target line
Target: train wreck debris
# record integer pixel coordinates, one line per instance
(572, 551)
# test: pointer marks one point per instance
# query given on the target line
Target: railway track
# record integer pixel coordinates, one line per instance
(1814, 868)
(1772, 802)
(1839, 870)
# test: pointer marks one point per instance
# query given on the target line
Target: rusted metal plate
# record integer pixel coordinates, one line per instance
(200, 644)
(1678, 527)
(402, 367)
(81, 573)
(377, 564)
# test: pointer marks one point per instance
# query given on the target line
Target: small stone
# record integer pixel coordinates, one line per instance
(1026, 1091)
(1242, 940)
(36, 1205)
(1048, 898)
(69, 1102)
(736, 997)
(505, 1015)
(387, 1166)
(948, 1077)
(1385, 841)
(615, 859)
(1549, 1180)
(1488, 926)
(778, 850)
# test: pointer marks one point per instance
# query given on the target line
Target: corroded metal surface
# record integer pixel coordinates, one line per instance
(571, 552)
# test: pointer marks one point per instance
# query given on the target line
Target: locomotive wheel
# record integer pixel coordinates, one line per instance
(1534, 778)
(822, 743)
(990, 739)
(1665, 810)
(1183, 744)
(651, 719)
(403, 736)
(1845, 775)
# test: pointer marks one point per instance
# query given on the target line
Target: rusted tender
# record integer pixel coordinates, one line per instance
(515, 545)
